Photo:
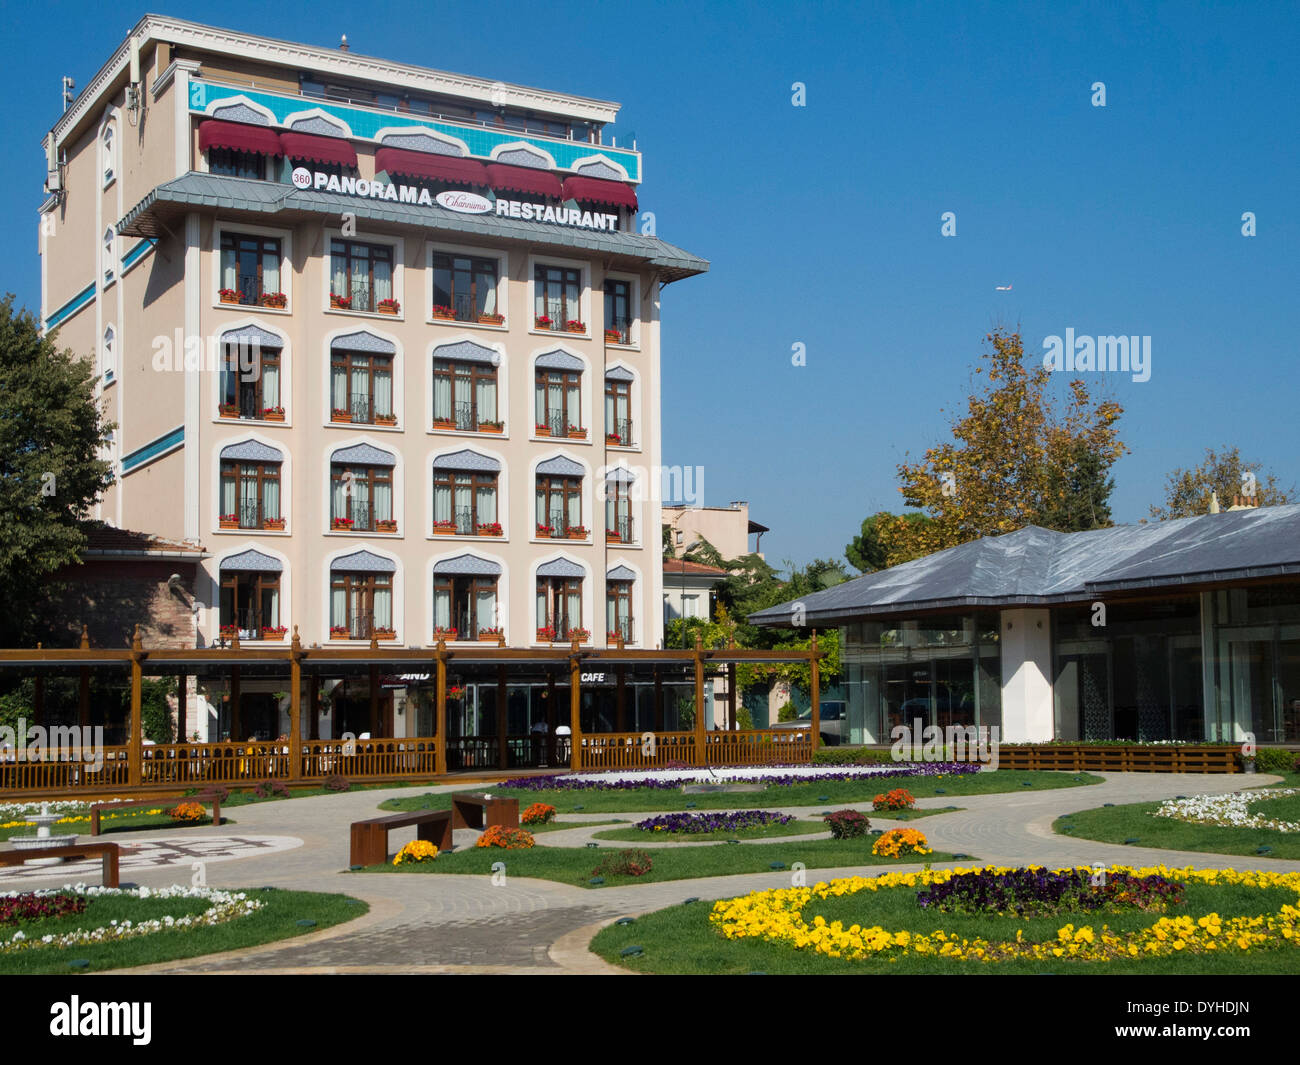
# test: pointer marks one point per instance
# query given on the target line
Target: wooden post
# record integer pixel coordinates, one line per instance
(313, 729)
(374, 701)
(440, 713)
(38, 698)
(182, 695)
(575, 707)
(236, 718)
(620, 698)
(814, 664)
(699, 701)
(733, 698)
(83, 684)
(295, 707)
(659, 701)
(552, 717)
(503, 742)
(135, 753)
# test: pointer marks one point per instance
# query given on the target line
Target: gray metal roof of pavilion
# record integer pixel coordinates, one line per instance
(1038, 567)
(160, 210)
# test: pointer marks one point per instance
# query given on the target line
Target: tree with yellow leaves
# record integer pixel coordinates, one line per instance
(1016, 459)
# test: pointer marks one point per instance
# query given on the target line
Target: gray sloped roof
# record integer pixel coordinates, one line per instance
(468, 566)
(620, 573)
(251, 561)
(363, 562)
(560, 567)
(560, 467)
(559, 360)
(363, 340)
(618, 373)
(251, 451)
(363, 455)
(467, 351)
(467, 459)
(166, 203)
(1038, 567)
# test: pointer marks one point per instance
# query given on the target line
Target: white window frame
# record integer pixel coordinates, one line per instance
(398, 246)
(503, 283)
(286, 267)
(584, 295)
(634, 283)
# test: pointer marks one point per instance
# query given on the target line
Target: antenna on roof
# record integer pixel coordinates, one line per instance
(343, 44)
(69, 92)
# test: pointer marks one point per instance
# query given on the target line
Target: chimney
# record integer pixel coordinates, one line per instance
(343, 44)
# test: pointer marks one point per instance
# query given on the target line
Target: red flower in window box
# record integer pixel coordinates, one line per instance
(581, 635)
(229, 630)
(444, 423)
(492, 634)
(228, 410)
(339, 631)
(490, 528)
(273, 523)
(491, 319)
(544, 530)
(340, 414)
(228, 521)
(228, 295)
(445, 527)
(613, 336)
(613, 438)
(577, 433)
(341, 523)
(385, 634)
(388, 306)
(338, 302)
(273, 632)
(576, 532)
(543, 321)
(575, 326)
(385, 419)
(275, 299)
(386, 525)
(445, 314)
(273, 414)
(546, 633)
(443, 632)
(491, 427)
(612, 536)
(612, 637)
(542, 429)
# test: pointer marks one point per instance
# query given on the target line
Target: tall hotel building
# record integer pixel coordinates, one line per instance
(383, 339)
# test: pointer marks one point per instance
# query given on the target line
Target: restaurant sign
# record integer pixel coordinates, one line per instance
(461, 202)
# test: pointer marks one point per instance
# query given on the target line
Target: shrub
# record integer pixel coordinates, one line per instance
(218, 791)
(847, 824)
(336, 782)
(271, 789)
(899, 842)
(540, 813)
(898, 799)
(1275, 760)
(851, 756)
(625, 863)
(510, 839)
(787, 713)
(417, 852)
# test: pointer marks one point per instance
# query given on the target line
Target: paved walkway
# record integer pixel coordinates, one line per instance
(467, 924)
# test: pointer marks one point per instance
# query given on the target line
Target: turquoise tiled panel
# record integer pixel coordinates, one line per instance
(85, 296)
(136, 254)
(153, 449)
(366, 124)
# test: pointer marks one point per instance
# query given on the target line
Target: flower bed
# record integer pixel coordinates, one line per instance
(416, 852)
(782, 916)
(507, 838)
(1228, 811)
(899, 842)
(778, 776)
(898, 799)
(36, 907)
(847, 824)
(539, 813)
(625, 863)
(1037, 892)
(729, 821)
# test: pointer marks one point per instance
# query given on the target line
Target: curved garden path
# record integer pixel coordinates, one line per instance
(445, 923)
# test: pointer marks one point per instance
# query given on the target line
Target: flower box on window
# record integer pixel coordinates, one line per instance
(613, 336)
(489, 634)
(491, 427)
(443, 632)
(228, 410)
(444, 528)
(385, 634)
(275, 299)
(581, 635)
(613, 438)
(228, 295)
(444, 423)
(612, 536)
(543, 321)
(542, 429)
(444, 314)
(576, 433)
(546, 634)
(576, 532)
(490, 528)
(273, 523)
(575, 326)
(340, 414)
(388, 306)
(273, 414)
(612, 637)
(228, 521)
(341, 523)
(273, 632)
(386, 525)
(339, 632)
(545, 531)
(229, 631)
(385, 419)
(491, 319)
(340, 303)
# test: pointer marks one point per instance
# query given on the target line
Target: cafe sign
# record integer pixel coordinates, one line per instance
(460, 202)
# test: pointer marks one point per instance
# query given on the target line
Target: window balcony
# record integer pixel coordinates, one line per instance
(464, 418)
(250, 516)
(464, 522)
(360, 516)
(556, 425)
(620, 532)
(619, 433)
(622, 629)
(619, 331)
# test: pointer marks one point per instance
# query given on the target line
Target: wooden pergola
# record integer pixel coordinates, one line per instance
(137, 766)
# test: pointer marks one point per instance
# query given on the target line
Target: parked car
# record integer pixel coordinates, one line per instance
(832, 722)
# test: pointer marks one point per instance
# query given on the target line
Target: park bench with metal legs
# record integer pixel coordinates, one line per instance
(370, 838)
(97, 808)
(107, 851)
(472, 810)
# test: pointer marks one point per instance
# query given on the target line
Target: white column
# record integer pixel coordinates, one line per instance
(1026, 639)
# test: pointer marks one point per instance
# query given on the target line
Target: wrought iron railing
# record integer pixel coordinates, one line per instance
(622, 430)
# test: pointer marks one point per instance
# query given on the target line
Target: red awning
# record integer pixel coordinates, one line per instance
(524, 179)
(315, 149)
(597, 190)
(449, 168)
(214, 133)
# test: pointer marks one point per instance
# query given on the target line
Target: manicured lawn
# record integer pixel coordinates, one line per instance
(681, 940)
(557, 826)
(278, 919)
(822, 795)
(794, 828)
(575, 865)
(127, 821)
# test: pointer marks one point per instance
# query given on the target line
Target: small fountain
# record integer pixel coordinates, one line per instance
(43, 838)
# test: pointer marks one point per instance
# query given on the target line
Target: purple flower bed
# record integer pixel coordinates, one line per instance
(1040, 893)
(566, 782)
(728, 821)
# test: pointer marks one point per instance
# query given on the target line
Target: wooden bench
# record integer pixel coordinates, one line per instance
(474, 810)
(370, 838)
(96, 808)
(108, 851)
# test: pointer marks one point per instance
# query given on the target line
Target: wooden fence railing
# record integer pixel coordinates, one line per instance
(1084, 757)
(758, 747)
(630, 750)
(361, 759)
(19, 776)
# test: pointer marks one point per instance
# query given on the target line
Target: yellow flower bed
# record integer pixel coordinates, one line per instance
(418, 850)
(777, 917)
(900, 841)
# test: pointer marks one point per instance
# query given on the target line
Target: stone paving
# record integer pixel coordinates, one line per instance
(466, 924)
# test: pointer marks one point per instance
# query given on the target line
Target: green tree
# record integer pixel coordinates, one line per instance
(1187, 492)
(1077, 492)
(866, 552)
(51, 472)
(155, 713)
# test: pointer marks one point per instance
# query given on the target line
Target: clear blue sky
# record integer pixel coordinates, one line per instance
(823, 222)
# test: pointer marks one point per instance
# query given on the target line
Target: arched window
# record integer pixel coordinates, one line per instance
(465, 388)
(618, 406)
(109, 354)
(109, 263)
(465, 598)
(465, 494)
(108, 155)
(250, 486)
(361, 596)
(250, 596)
(361, 490)
(618, 604)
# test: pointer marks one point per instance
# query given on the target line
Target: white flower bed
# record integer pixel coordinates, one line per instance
(1228, 811)
(20, 811)
(703, 776)
(225, 906)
